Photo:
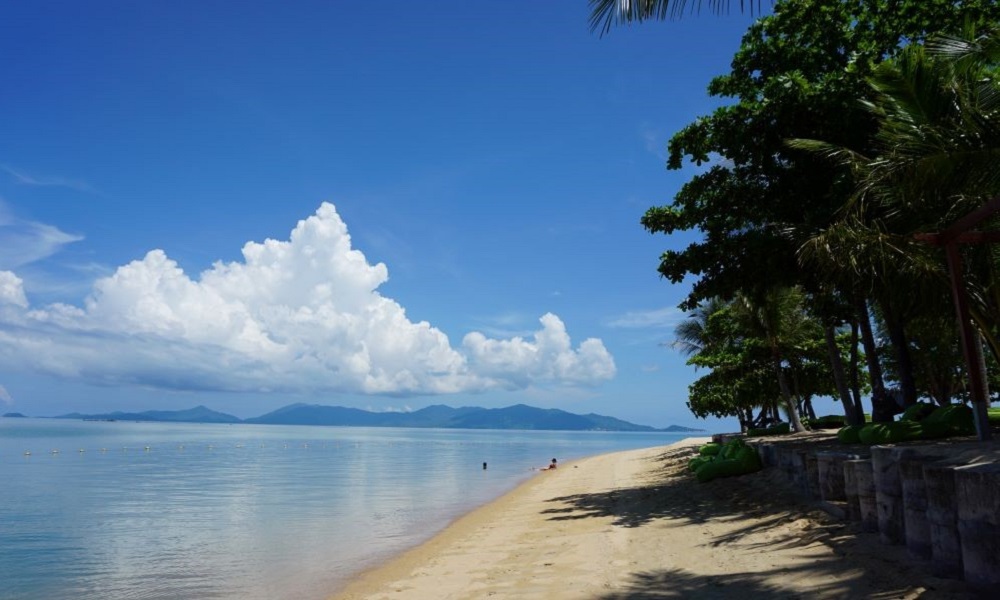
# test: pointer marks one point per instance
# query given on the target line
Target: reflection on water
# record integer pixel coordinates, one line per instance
(152, 510)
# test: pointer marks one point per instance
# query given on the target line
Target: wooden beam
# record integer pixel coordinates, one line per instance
(967, 237)
(970, 220)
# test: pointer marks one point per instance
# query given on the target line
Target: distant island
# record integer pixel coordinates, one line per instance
(519, 416)
(13, 415)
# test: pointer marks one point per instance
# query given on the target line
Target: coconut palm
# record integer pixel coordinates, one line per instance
(604, 14)
(776, 316)
(738, 381)
(932, 161)
(692, 333)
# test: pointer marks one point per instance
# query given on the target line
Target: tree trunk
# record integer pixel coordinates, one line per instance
(882, 408)
(765, 412)
(901, 348)
(859, 409)
(786, 394)
(743, 419)
(837, 366)
(810, 412)
(982, 417)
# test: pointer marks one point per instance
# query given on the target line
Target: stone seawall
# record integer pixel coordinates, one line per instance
(941, 500)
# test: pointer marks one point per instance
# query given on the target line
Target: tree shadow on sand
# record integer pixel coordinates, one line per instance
(670, 494)
(677, 583)
(762, 503)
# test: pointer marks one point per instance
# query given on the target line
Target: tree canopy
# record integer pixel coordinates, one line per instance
(904, 140)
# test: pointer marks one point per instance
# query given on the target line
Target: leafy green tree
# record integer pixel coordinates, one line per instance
(932, 159)
(799, 73)
(757, 352)
(739, 378)
(775, 316)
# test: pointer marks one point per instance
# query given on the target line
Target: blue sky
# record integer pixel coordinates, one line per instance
(464, 182)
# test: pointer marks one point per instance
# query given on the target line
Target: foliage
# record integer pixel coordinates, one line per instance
(776, 216)
(827, 422)
(799, 74)
(779, 429)
(607, 13)
(731, 342)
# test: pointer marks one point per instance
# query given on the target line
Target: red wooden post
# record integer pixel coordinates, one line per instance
(969, 339)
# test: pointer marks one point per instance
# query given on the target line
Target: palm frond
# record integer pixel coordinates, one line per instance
(605, 14)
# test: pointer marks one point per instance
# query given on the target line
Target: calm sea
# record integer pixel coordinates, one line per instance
(109, 510)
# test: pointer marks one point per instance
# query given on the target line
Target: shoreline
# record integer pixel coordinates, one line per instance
(370, 582)
(634, 524)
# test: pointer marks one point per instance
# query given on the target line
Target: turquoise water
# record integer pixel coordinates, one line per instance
(153, 510)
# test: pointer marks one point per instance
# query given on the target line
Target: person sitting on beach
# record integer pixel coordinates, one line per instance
(552, 465)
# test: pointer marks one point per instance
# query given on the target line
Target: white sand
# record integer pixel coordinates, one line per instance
(634, 525)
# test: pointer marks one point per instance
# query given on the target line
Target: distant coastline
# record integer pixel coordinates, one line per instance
(519, 416)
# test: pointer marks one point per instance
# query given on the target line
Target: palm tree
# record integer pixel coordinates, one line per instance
(776, 315)
(693, 332)
(932, 161)
(604, 14)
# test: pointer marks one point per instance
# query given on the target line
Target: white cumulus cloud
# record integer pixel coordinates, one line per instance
(548, 356)
(302, 314)
(12, 290)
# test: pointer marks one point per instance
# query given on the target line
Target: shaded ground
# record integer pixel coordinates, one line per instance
(759, 518)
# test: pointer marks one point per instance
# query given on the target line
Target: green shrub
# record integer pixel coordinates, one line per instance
(827, 422)
(779, 429)
(994, 415)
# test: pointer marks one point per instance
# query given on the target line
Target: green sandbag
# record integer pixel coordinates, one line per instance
(697, 462)
(849, 434)
(917, 412)
(874, 433)
(749, 458)
(934, 430)
(710, 449)
(731, 447)
(719, 468)
(953, 419)
(745, 461)
(890, 433)
(904, 431)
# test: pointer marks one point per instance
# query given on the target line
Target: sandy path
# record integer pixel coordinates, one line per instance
(632, 525)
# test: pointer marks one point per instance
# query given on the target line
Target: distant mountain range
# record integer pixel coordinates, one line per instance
(519, 416)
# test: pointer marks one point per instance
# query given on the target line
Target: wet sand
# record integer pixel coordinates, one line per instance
(634, 525)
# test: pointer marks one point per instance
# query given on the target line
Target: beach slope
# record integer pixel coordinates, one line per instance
(634, 525)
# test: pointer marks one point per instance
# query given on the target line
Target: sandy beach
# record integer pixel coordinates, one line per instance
(634, 525)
